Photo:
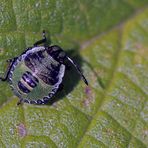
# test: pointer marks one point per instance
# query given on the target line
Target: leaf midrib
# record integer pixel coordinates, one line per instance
(114, 67)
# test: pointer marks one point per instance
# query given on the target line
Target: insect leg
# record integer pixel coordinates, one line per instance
(3, 79)
(9, 60)
(20, 102)
(8, 69)
(78, 69)
(43, 40)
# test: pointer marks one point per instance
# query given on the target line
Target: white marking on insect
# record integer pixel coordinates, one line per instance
(26, 85)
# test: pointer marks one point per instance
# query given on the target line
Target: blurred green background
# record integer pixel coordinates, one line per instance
(109, 40)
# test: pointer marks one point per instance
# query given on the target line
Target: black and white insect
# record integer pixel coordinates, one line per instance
(35, 75)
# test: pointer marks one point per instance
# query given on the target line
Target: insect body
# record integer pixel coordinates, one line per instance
(36, 74)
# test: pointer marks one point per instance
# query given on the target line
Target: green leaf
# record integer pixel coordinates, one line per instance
(109, 40)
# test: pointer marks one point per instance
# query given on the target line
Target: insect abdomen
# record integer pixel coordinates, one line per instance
(27, 82)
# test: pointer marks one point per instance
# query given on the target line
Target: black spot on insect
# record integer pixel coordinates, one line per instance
(39, 102)
(45, 99)
(26, 101)
(30, 79)
(29, 64)
(33, 102)
(40, 55)
(48, 80)
(23, 88)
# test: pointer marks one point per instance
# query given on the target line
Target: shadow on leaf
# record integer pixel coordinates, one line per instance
(72, 77)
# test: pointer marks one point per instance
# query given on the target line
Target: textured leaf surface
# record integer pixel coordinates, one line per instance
(109, 40)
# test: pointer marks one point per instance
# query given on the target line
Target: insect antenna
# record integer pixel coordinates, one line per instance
(78, 69)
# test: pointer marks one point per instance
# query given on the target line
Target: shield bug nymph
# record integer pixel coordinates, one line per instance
(37, 73)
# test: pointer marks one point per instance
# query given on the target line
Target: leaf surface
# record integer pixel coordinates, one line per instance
(109, 40)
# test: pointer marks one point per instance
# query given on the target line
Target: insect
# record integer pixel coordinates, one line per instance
(35, 75)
